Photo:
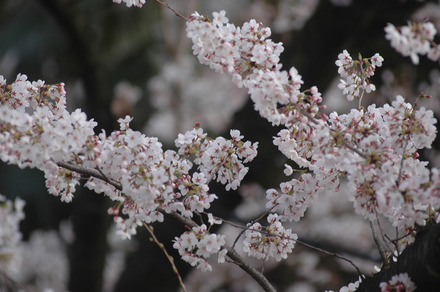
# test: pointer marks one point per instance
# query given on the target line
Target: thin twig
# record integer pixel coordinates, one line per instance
(169, 7)
(331, 254)
(389, 249)
(241, 226)
(379, 245)
(170, 258)
(238, 237)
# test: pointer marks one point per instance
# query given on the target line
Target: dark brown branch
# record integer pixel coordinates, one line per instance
(89, 172)
(259, 277)
(421, 261)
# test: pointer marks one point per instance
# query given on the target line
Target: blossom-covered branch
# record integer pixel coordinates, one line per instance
(375, 148)
(384, 135)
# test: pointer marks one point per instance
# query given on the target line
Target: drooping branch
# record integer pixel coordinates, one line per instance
(232, 254)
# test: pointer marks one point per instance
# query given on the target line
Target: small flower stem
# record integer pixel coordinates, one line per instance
(378, 243)
(170, 258)
(169, 7)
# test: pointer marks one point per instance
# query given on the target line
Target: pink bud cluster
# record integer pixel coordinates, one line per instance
(271, 241)
(413, 40)
(356, 74)
(197, 245)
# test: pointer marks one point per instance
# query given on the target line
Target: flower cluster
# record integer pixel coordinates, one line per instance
(154, 180)
(36, 130)
(251, 59)
(413, 40)
(294, 197)
(271, 241)
(356, 74)
(219, 159)
(368, 146)
(383, 170)
(142, 178)
(197, 245)
(400, 282)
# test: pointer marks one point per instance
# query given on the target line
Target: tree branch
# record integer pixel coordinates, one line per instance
(233, 255)
(421, 261)
(89, 172)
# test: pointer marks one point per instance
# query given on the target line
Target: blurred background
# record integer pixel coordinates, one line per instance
(118, 61)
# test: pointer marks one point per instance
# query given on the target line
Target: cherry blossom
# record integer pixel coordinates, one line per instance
(150, 180)
(370, 141)
(271, 241)
(373, 150)
(400, 282)
(413, 40)
(219, 159)
(357, 73)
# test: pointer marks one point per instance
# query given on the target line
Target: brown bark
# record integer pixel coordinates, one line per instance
(421, 261)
